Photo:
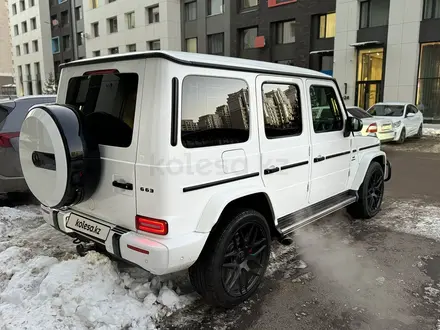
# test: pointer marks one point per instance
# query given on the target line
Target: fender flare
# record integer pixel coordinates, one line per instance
(364, 163)
(218, 202)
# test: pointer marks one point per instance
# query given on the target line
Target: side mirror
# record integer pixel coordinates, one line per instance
(352, 125)
(410, 114)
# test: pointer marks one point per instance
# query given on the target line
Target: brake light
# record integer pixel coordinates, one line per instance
(154, 226)
(5, 139)
(97, 72)
(372, 128)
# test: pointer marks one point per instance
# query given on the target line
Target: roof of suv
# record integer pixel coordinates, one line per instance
(208, 61)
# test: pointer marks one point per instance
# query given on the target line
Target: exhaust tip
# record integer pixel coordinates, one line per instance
(286, 240)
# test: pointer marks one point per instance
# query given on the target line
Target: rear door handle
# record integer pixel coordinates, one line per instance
(319, 159)
(123, 185)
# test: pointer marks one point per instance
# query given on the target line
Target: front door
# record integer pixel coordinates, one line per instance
(284, 142)
(331, 151)
(368, 93)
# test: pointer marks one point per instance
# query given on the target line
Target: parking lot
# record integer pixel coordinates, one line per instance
(379, 274)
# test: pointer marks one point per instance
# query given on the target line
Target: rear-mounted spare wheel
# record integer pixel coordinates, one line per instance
(59, 157)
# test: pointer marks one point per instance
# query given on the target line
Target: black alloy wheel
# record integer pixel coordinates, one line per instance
(375, 191)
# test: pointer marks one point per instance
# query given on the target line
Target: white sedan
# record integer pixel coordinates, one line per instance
(407, 119)
(381, 128)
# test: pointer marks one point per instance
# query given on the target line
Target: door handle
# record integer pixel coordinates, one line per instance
(319, 159)
(123, 185)
(271, 170)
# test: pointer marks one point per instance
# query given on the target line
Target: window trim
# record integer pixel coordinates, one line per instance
(433, 8)
(242, 47)
(59, 45)
(185, 9)
(368, 3)
(150, 10)
(181, 111)
(209, 39)
(277, 82)
(282, 37)
(244, 9)
(342, 109)
(209, 6)
(273, 3)
(325, 26)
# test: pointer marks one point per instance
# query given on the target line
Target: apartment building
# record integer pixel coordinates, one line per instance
(118, 26)
(389, 50)
(6, 72)
(30, 28)
(295, 32)
(67, 26)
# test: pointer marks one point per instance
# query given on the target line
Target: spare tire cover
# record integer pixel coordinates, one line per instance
(59, 158)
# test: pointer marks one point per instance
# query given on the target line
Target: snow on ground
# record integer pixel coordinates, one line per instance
(431, 131)
(411, 217)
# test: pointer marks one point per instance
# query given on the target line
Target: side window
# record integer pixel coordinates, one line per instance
(282, 110)
(215, 111)
(108, 102)
(411, 109)
(326, 113)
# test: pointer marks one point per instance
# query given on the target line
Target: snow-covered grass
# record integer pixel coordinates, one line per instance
(45, 285)
(431, 131)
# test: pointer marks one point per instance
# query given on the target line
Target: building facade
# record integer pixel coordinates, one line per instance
(30, 29)
(389, 50)
(6, 72)
(117, 26)
(67, 25)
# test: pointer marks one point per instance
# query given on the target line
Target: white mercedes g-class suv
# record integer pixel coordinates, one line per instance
(176, 161)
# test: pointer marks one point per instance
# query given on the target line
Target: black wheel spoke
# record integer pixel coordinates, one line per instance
(255, 254)
(231, 254)
(258, 243)
(234, 278)
(230, 265)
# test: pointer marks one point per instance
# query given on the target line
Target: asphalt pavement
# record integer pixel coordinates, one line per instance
(345, 274)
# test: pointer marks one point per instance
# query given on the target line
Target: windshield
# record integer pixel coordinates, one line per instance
(387, 110)
(358, 113)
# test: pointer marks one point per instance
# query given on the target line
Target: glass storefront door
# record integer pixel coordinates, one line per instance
(369, 77)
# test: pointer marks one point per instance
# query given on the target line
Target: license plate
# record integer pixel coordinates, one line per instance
(386, 128)
(88, 227)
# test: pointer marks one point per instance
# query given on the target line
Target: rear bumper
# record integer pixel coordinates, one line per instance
(386, 137)
(14, 184)
(165, 255)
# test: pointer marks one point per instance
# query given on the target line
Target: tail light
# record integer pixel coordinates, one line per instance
(372, 128)
(154, 226)
(5, 139)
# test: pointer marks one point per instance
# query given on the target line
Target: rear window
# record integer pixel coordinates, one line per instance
(358, 113)
(108, 102)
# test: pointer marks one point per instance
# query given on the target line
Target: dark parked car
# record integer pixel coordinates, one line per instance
(12, 114)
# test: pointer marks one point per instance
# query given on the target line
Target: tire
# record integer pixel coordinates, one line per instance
(420, 132)
(402, 136)
(371, 191)
(59, 156)
(234, 260)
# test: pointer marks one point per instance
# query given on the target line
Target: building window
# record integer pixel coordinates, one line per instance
(24, 27)
(216, 44)
(247, 4)
(31, 3)
(114, 50)
(326, 65)
(154, 45)
(26, 48)
(248, 38)
(66, 42)
(285, 32)
(327, 26)
(64, 18)
(78, 13)
(95, 29)
(112, 24)
(191, 11)
(153, 14)
(35, 46)
(282, 110)
(215, 111)
(428, 91)
(80, 39)
(33, 23)
(17, 50)
(55, 45)
(94, 4)
(431, 9)
(96, 53)
(14, 9)
(22, 5)
(16, 30)
(191, 45)
(130, 19)
(374, 13)
(215, 7)
(326, 113)
(131, 48)
(273, 3)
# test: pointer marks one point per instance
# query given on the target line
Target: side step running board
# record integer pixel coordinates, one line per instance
(301, 218)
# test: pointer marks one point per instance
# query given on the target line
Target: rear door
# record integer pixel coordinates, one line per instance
(110, 96)
(284, 142)
(331, 151)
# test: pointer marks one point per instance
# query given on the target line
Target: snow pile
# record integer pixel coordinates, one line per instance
(44, 285)
(411, 217)
(431, 131)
